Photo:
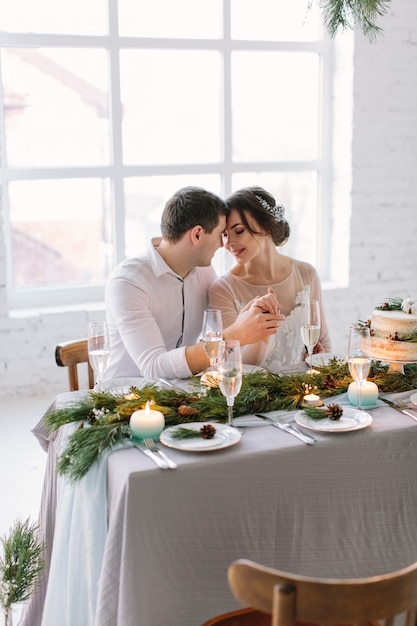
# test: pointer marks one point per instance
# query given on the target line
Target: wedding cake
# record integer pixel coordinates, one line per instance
(393, 327)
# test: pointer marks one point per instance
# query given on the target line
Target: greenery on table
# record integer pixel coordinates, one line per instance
(104, 417)
(20, 564)
(346, 14)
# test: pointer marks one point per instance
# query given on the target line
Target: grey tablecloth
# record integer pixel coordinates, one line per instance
(344, 507)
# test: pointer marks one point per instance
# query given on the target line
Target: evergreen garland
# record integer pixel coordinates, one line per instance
(104, 417)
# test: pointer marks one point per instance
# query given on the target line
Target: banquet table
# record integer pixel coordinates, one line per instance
(137, 546)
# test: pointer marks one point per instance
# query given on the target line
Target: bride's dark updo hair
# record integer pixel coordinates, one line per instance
(262, 207)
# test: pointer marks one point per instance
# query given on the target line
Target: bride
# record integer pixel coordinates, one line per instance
(256, 227)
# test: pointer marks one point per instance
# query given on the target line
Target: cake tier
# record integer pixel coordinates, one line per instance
(388, 324)
(387, 350)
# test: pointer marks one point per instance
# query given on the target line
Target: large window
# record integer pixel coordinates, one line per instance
(110, 106)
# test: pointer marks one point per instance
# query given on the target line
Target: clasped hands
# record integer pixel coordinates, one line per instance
(261, 316)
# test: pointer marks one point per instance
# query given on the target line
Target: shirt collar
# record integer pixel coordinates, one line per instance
(159, 265)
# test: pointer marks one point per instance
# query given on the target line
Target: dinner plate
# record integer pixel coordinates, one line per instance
(121, 385)
(413, 398)
(225, 436)
(352, 419)
(324, 358)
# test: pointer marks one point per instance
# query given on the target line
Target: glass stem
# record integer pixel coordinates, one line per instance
(359, 395)
(230, 402)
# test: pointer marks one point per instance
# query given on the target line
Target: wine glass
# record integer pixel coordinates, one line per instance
(212, 335)
(98, 349)
(310, 328)
(229, 371)
(359, 359)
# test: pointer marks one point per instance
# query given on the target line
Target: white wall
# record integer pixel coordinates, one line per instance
(383, 230)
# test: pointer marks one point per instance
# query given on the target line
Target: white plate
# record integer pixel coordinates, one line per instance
(121, 385)
(352, 419)
(225, 436)
(323, 358)
(413, 398)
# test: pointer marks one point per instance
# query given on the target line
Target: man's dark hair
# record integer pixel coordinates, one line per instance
(189, 207)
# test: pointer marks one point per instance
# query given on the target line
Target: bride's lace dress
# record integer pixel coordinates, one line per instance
(285, 348)
(287, 345)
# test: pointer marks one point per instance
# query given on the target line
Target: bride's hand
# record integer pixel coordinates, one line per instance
(268, 303)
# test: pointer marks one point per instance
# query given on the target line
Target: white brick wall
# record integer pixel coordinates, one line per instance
(383, 229)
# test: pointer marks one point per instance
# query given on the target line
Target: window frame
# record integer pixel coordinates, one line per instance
(116, 172)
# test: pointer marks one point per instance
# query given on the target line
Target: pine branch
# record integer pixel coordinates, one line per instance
(86, 446)
(346, 14)
(21, 563)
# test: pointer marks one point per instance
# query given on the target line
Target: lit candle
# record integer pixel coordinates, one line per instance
(147, 423)
(312, 399)
(369, 393)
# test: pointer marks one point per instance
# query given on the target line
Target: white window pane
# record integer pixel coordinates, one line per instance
(56, 110)
(194, 19)
(76, 17)
(145, 201)
(298, 192)
(275, 106)
(60, 232)
(171, 106)
(274, 20)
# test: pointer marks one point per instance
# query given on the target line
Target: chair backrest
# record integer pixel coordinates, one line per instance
(70, 354)
(292, 599)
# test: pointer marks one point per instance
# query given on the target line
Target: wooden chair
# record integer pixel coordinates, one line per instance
(70, 354)
(241, 617)
(293, 600)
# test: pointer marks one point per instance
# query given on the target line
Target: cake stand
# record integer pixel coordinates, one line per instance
(394, 366)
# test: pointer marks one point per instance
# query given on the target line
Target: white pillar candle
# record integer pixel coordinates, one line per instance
(369, 393)
(147, 423)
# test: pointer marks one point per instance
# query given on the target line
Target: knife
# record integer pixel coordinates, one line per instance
(292, 430)
(398, 408)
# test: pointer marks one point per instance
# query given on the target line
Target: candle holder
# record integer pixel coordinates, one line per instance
(146, 423)
(310, 398)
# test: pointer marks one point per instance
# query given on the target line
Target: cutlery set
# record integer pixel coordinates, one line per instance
(400, 408)
(151, 449)
(279, 422)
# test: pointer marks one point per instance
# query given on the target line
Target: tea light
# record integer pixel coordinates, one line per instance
(146, 423)
(369, 393)
(312, 399)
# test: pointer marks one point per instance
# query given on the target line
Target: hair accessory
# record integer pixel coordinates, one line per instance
(277, 211)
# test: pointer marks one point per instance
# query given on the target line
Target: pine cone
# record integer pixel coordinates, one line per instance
(329, 382)
(184, 409)
(207, 431)
(334, 411)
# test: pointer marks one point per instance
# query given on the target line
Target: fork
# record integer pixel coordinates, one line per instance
(280, 420)
(151, 445)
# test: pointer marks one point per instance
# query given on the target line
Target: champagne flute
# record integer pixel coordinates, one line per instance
(212, 335)
(98, 349)
(359, 359)
(230, 374)
(310, 328)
